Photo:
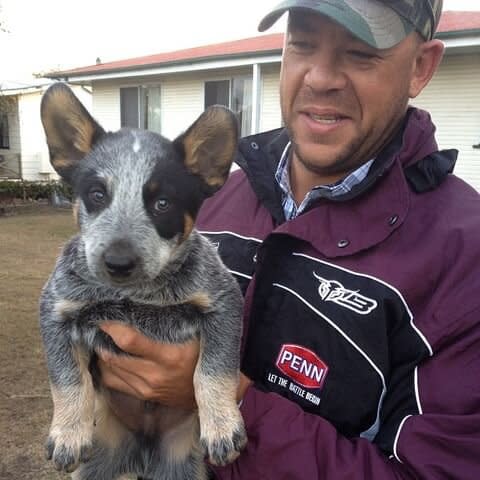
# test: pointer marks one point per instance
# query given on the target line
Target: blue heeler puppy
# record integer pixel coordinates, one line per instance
(138, 259)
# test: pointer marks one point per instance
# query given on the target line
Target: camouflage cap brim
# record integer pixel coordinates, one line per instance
(373, 22)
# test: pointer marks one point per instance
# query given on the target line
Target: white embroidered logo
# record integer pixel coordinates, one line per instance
(333, 291)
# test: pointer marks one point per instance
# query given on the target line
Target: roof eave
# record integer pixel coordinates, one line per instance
(248, 58)
(454, 40)
(458, 33)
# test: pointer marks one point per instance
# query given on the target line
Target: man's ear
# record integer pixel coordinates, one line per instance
(209, 146)
(70, 130)
(428, 58)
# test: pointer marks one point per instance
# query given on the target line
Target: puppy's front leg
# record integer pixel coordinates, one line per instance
(70, 437)
(222, 432)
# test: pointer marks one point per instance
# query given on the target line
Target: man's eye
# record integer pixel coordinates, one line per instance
(162, 205)
(301, 45)
(362, 55)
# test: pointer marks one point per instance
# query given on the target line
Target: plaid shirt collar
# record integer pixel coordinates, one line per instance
(341, 187)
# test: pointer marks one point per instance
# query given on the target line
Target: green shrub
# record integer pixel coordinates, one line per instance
(34, 190)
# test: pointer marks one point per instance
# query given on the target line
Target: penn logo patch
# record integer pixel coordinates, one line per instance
(302, 365)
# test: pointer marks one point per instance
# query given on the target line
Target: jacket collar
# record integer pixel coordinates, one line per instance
(259, 156)
(341, 227)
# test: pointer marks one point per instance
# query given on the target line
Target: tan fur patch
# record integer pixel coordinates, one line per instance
(83, 128)
(84, 138)
(152, 187)
(73, 409)
(215, 181)
(188, 226)
(108, 429)
(181, 440)
(192, 145)
(61, 163)
(65, 307)
(210, 145)
(69, 128)
(217, 408)
(76, 208)
(201, 300)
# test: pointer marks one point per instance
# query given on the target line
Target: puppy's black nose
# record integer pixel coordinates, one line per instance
(120, 260)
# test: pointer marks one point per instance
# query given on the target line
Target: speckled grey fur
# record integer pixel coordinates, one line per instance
(157, 300)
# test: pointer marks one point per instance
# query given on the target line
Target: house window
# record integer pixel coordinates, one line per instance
(4, 136)
(235, 94)
(140, 107)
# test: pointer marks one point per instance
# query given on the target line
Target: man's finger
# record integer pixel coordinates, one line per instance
(135, 343)
(121, 364)
(111, 380)
(128, 338)
(124, 380)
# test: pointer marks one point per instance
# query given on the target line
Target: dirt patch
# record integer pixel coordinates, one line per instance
(30, 240)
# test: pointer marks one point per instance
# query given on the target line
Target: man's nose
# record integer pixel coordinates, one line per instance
(325, 73)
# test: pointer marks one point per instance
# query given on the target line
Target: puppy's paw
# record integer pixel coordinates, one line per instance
(67, 449)
(223, 445)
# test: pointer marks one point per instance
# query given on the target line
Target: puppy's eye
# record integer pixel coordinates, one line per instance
(97, 195)
(162, 205)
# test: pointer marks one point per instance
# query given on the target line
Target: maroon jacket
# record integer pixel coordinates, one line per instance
(362, 329)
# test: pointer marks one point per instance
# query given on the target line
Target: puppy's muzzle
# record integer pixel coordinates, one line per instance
(121, 261)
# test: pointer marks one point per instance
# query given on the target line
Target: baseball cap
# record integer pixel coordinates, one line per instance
(381, 24)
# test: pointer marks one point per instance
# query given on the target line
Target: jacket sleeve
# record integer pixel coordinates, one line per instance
(442, 442)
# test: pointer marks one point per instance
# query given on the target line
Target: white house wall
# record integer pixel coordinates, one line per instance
(182, 98)
(106, 105)
(270, 116)
(453, 99)
(182, 103)
(35, 164)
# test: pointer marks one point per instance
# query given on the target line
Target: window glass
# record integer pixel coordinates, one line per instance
(235, 94)
(217, 93)
(129, 111)
(153, 111)
(4, 136)
(241, 103)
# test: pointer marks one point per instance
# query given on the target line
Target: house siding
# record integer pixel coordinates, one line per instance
(453, 100)
(106, 105)
(182, 102)
(182, 98)
(270, 116)
(35, 160)
(452, 97)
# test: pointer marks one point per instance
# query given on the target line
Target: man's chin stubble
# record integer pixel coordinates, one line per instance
(340, 165)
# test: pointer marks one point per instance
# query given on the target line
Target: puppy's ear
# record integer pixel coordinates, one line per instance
(209, 146)
(70, 130)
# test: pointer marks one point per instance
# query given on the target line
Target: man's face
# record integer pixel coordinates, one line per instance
(341, 99)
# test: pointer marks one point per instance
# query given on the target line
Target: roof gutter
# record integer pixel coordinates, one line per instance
(458, 33)
(459, 41)
(455, 41)
(177, 66)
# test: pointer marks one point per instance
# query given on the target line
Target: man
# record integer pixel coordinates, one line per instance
(358, 254)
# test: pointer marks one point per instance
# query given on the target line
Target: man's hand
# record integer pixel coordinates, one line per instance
(158, 372)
